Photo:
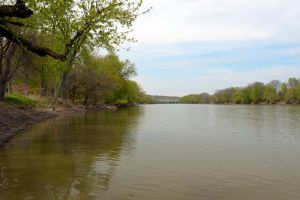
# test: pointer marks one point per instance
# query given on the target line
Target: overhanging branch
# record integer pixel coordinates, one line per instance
(41, 51)
(17, 10)
(20, 10)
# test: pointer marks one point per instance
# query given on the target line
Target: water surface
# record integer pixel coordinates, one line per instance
(171, 152)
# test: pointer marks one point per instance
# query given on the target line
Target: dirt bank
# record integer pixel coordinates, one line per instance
(15, 119)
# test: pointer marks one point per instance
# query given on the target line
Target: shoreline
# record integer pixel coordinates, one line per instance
(250, 104)
(14, 119)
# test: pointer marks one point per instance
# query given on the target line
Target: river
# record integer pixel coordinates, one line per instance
(169, 152)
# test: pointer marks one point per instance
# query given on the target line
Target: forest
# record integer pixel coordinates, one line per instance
(256, 93)
(66, 51)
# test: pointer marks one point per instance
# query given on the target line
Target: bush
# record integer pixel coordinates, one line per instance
(122, 102)
(19, 100)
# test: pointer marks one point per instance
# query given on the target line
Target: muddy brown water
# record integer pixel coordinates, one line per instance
(209, 152)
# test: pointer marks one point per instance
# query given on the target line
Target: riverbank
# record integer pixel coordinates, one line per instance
(14, 119)
(230, 103)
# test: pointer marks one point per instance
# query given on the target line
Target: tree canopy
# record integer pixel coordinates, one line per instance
(103, 23)
(71, 32)
(255, 93)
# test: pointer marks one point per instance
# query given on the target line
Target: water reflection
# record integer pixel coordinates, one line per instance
(180, 152)
(67, 158)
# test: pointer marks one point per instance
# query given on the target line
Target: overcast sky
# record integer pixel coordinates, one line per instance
(194, 46)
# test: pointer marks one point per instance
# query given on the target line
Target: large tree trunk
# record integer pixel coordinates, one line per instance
(64, 89)
(63, 84)
(42, 85)
(26, 92)
(65, 77)
(86, 98)
(6, 67)
(73, 94)
(2, 90)
(9, 86)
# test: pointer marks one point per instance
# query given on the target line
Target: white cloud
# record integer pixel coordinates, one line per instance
(218, 20)
(202, 38)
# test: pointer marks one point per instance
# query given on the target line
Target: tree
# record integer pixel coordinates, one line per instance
(257, 91)
(246, 95)
(270, 94)
(276, 84)
(298, 93)
(10, 29)
(224, 96)
(129, 92)
(284, 91)
(203, 98)
(8, 65)
(71, 24)
(291, 90)
(103, 80)
(237, 96)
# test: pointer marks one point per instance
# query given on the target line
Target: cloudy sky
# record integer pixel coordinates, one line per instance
(194, 46)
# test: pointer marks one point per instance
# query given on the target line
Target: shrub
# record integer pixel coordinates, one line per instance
(122, 102)
(19, 100)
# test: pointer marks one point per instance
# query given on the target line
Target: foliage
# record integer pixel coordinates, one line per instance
(255, 93)
(19, 100)
(68, 28)
(203, 98)
(270, 95)
(146, 99)
(103, 80)
(92, 79)
(128, 91)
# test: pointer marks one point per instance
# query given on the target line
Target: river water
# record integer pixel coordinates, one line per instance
(169, 152)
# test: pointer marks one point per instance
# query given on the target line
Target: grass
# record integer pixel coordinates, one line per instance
(19, 100)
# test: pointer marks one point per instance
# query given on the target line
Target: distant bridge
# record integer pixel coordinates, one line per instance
(166, 100)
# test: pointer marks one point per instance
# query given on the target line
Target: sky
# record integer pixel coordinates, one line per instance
(194, 46)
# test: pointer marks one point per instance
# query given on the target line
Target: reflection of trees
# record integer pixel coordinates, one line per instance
(67, 158)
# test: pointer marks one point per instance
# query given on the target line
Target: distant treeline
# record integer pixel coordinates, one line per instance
(255, 93)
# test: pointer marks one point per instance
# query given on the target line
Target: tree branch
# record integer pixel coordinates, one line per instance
(41, 51)
(18, 10)
(13, 23)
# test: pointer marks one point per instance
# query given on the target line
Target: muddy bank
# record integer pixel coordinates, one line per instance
(15, 119)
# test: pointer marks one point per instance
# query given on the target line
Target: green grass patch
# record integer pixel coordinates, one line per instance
(19, 100)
